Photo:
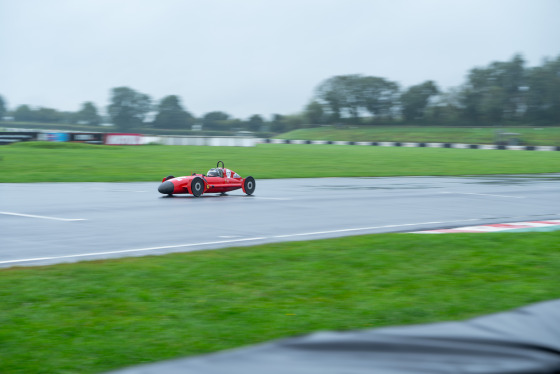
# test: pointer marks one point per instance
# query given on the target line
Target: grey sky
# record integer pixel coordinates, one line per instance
(254, 56)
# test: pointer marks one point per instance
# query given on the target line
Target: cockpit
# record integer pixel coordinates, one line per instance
(215, 172)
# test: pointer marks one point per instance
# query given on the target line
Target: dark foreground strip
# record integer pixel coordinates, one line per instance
(527, 338)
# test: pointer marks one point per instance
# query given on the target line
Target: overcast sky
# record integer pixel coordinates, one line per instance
(249, 57)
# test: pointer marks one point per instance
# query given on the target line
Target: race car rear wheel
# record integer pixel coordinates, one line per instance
(249, 185)
(197, 186)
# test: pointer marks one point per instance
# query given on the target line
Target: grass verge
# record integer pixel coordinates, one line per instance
(95, 316)
(427, 134)
(72, 162)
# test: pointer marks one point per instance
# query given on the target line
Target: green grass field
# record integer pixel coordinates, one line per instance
(72, 162)
(95, 316)
(427, 134)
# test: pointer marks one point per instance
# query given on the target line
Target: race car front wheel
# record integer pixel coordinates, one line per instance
(249, 185)
(197, 186)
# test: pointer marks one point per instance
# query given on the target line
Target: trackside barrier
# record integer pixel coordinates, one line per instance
(53, 137)
(87, 137)
(76, 137)
(209, 141)
(123, 139)
(427, 145)
(9, 137)
(149, 139)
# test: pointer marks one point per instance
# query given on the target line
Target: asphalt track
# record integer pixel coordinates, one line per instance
(47, 223)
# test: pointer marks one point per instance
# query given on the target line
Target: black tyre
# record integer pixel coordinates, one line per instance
(249, 185)
(197, 186)
(169, 177)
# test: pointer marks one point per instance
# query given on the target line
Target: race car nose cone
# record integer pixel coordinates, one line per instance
(166, 188)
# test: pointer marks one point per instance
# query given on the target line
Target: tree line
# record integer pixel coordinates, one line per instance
(131, 110)
(502, 93)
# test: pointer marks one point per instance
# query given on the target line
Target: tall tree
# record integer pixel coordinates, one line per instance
(278, 123)
(128, 108)
(341, 96)
(255, 123)
(23, 113)
(380, 97)
(314, 113)
(446, 110)
(172, 115)
(3, 109)
(216, 120)
(88, 114)
(48, 115)
(415, 100)
(543, 93)
(495, 93)
(282, 123)
(352, 96)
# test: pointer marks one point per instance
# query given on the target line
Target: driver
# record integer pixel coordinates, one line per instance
(215, 172)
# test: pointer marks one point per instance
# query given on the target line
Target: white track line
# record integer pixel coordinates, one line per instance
(241, 240)
(128, 250)
(271, 198)
(232, 241)
(374, 228)
(43, 217)
(125, 191)
(483, 194)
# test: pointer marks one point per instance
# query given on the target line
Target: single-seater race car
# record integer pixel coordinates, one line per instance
(217, 180)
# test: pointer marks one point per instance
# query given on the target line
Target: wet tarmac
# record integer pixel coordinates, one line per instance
(46, 223)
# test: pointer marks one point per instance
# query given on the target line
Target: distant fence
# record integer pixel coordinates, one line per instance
(76, 137)
(9, 137)
(213, 141)
(426, 145)
(125, 139)
(209, 141)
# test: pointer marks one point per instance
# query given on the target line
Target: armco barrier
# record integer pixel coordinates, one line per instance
(53, 137)
(428, 145)
(76, 137)
(209, 141)
(87, 137)
(123, 139)
(9, 137)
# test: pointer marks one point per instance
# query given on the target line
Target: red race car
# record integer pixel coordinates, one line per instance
(217, 180)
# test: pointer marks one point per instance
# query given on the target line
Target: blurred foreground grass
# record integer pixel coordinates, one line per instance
(72, 162)
(95, 316)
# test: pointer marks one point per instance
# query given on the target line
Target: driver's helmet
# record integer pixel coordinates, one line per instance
(215, 173)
